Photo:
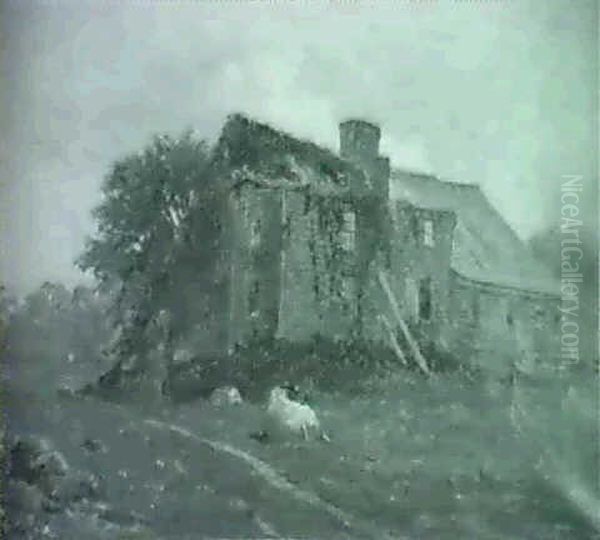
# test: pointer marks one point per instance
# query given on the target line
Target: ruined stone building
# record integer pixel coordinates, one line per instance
(319, 247)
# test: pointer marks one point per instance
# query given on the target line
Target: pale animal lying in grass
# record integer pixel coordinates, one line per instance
(226, 395)
(292, 417)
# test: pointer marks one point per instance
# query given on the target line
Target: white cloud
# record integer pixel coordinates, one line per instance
(410, 153)
(471, 91)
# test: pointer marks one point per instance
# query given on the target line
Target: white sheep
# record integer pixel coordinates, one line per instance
(226, 395)
(293, 416)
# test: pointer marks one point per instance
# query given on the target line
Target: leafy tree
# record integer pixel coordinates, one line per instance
(55, 337)
(8, 305)
(157, 236)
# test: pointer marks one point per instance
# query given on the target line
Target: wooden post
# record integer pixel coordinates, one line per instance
(393, 339)
(396, 310)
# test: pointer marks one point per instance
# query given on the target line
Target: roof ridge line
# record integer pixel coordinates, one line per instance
(435, 177)
(498, 285)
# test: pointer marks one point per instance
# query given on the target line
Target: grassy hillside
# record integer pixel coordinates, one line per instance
(408, 458)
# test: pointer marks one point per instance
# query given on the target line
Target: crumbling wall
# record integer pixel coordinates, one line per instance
(318, 276)
(291, 277)
(255, 263)
(462, 331)
(412, 264)
(545, 327)
(298, 310)
(500, 328)
(399, 249)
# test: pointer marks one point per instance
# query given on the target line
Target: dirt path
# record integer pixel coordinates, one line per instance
(221, 490)
(350, 524)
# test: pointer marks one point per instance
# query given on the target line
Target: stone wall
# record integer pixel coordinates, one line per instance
(255, 220)
(498, 328)
(304, 282)
(293, 279)
(319, 273)
(396, 244)
(292, 276)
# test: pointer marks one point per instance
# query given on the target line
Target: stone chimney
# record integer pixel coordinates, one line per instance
(359, 140)
(359, 144)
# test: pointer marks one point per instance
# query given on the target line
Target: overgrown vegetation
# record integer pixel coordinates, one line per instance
(246, 142)
(55, 337)
(157, 246)
(450, 456)
(344, 368)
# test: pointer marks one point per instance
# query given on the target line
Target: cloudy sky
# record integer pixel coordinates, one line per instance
(501, 93)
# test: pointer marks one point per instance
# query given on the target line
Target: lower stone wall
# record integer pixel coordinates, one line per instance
(498, 328)
(308, 286)
(318, 285)
(298, 310)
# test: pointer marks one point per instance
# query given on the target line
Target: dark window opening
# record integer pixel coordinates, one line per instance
(326, 169)
(509, 319)
(539, 316)
(428, 236)
(306, 203)
(348, 230)
(286, 228)
(476, 307)
(255, 232)
(387, 253)
(425, 299)
(414, 227)
(253, 299)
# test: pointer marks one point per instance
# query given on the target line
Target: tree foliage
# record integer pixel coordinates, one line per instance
(157, 227)
(56, 336)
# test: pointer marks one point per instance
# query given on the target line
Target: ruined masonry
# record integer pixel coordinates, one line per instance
(347, 248)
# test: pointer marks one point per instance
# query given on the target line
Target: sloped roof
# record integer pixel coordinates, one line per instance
(485, 247)
(262, 154)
